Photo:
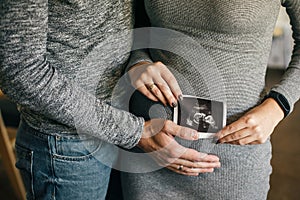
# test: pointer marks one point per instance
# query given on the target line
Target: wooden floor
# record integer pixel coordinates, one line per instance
(285, 179)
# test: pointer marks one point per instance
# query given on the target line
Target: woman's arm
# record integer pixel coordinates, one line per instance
(258, 124)
(153, 79)
(289, 85)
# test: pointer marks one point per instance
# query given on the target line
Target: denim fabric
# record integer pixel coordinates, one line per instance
(61, 166)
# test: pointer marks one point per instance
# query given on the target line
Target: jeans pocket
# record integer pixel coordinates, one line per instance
(72, 148)
(24, 163)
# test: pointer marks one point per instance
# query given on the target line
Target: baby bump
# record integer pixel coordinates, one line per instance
(247, 156)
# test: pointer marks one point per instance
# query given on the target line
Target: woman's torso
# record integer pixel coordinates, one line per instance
(234, 39)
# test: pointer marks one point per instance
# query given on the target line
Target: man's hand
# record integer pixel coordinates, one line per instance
(158, 138)
(255, 126)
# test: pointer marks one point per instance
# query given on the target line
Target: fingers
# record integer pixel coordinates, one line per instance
(174, 169)
(168, 153)
(168, 79)
(249, 140)
(166, 91)
(172, 83)
(236, 136)
(192, 168)
(248, 129)
(234, 127)
(176, 153)
(166, 88)
(195, 165)
(180, 131)
(189, 171)
(156, 91)
(144, 90)
(244, 137)
(195, 156)
(186, 167)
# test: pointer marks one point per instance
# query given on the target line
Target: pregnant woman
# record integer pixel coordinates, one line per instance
(237, 36)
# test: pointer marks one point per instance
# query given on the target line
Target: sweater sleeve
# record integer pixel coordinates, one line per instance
(141, 21)
(29, 79)
(289, 85)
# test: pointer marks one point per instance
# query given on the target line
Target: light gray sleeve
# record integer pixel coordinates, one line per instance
(140, 53)
(289, 85)
(29, 79)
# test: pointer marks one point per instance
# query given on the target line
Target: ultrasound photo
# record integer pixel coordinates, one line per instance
(204, 115)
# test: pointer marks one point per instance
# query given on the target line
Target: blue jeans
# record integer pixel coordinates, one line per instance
(61, 166)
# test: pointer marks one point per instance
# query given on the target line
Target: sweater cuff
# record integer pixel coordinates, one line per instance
(286, 95)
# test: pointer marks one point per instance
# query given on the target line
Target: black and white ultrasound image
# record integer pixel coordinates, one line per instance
(201, 114)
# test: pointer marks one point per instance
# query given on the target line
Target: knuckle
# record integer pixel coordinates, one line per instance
(260, 141)
(170, 78)
(144, 76)
(250, 121)
(173, 154)
(167, 123)
(257, 129)
(240, 142)
(232, 137)
(170, 160)
(164, 86)
(149, 70)
(188, 170)
(198, 165)
(182, 134)
(230, 127)
(238, 135)
(155, 91)
(158, 63)
(260, 137)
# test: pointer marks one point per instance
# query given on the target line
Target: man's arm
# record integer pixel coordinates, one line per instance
(30, 80)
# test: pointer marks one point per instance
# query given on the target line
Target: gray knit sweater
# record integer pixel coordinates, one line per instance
(59, 62)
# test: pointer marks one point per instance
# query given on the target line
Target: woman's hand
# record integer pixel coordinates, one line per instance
(155, 81)
(158, 140)
(255, 126)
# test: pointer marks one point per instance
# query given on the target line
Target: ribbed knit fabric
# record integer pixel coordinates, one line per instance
(237, 37)
(60, 60)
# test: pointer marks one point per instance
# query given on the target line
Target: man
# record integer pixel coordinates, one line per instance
(48, 66)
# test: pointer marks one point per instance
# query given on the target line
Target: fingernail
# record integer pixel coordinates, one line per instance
(215, 139)
(174, 104)
(180, 97)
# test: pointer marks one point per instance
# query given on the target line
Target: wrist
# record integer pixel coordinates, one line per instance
(280, 101)
(139, 64)
(274, 108)
(145, 134)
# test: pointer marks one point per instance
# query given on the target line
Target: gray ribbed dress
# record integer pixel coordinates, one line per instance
(237, 36)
